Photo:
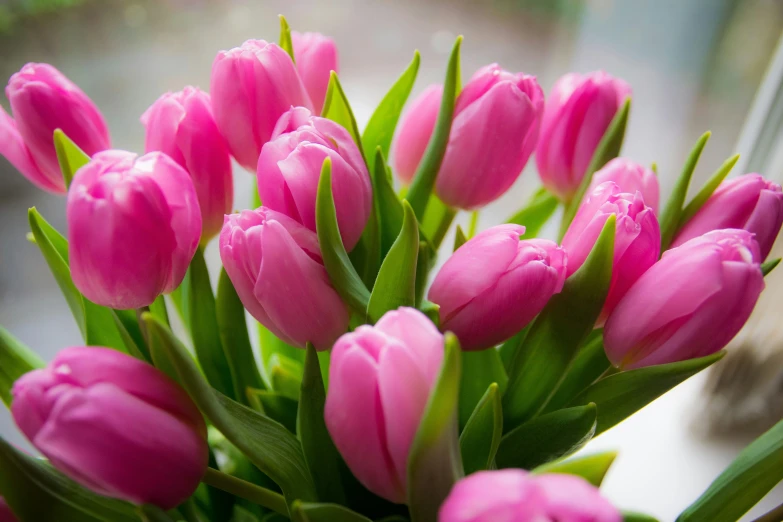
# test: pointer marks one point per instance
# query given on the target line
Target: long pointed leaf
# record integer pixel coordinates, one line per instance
(390, 212)
(588, 365)
(337, 109)
(592, 468)
(479, 370)
(285, 37)
(480, 439)
(706, 191)
(536, 213)
(16, 359)
(70, 157)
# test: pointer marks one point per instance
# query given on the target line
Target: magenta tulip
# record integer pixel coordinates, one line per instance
(181, 125)
(690, 304)
(578, 112)
(496, 120)
(133, 227)
(42, 100)
(637, 240)
(6, 515)
(414, 132)
(379, 382)
(514, 495)
(749, 202)
(275, 265)
(316, 58)
(495, 284)
(115, 425)
(251, 87)
(631, 178)
(290, 166)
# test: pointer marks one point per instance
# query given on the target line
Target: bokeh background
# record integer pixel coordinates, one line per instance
(694, 65)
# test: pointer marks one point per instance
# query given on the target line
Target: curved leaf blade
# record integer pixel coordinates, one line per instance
(318, 512)
(337, 109)
(536, 213)
(480, 439)
(70, 157)
(479, 370)
(285, 38)
(16, 359)
(706, 191)
(587, 367)
(390, 212)
(592, 468)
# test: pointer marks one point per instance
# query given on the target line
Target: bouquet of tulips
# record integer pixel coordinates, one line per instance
(379, 388)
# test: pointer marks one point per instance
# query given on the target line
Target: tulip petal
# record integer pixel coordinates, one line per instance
(413, 328)
(13, 148)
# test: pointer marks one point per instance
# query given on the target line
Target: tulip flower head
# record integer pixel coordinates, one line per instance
(316, 58)
(631, 178)
(414, 132)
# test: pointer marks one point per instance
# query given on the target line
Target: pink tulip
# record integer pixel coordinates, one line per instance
(631, 178)
(578, 112)
(275, 265)
(6, 515)
(133, 227)
(495, 284)
(514, 495)
(316, 58)
(414, 132)
(495, 128)
(379, 382)
(43, 100)
(251, 87)
(690, 304)
(749, 202)
(290, 166)
(181, 125)
(115, 425)
(637, 240)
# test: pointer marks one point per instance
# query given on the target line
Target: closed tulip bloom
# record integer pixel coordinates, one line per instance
(42, 100)
(631, 177)
(414, 132)
(133, 227)
(251, 87)
(115, 425)
(495, 284)
(578, 112)
(637, 239)
(181, 125)
(496, 121)
(690, 304)
(316, 58)
(380, 378)
(275, 265)
(749, 202)
(514, 495)
(290, 166)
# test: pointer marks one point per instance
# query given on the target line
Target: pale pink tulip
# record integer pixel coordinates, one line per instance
(316, 58)
(414, 132)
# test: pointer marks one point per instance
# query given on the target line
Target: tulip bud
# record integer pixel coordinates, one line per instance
(115, 425)
(414, 132)
(133, 227)
(181, 125)
(749, 202)
(316, 58)
(637, 239)
(479, 166)
(275, 265)
(43, 100)
(515, 495)
(689, 304)
(6, 515)
(380, 378)
(251, 87)
(578, 112)
(631, 178)
(290, 166)
(495, 284)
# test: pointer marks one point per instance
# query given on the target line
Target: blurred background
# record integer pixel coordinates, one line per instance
(694, 65)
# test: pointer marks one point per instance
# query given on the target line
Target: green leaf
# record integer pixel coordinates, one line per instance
(424, 263)
(479, 370)
(395, 285)
(128, 327)
(243, 515)
(706, 191)
(390, 212)
(159, 310)
(286, 376)
(427, 171)
(592, 468)
(769, 266)
(547, 438)
(271, 345)
(268, 444)
(70, 157)
(316, 512)
(434, 461)
(285, 38)
(16, 359)
(631, 516)
(672, 211)
(608, 149)
(244, 489)
(204, 330)
(459, 238)
(366, 254)
(341, 272)
(432, 311)
(536, 213)
(509, 348)
(36, 491)
(380, 128)
(473, 226)
(151, 513)
(621, 395)
(337, 109)
(319, 450)
(480, 439)
(437, 220)
(551, 344)
(275, 406)
(235, 339)
(755, 471)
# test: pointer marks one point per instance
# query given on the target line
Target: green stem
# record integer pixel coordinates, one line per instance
(473, 228)
(241, 488)
(446, 219)
(142, 324)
